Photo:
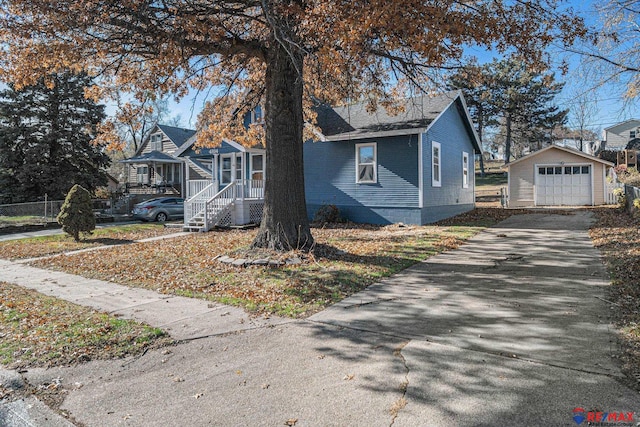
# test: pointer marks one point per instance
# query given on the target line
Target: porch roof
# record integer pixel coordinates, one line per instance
(154, 156)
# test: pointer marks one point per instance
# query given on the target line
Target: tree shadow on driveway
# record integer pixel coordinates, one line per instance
(510, 324)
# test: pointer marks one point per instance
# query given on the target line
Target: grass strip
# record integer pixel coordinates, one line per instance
(38, 330)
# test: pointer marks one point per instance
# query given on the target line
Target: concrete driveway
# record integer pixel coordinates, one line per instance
(510, 329)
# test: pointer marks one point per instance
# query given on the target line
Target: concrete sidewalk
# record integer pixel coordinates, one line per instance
(183, 318)
(509, 329)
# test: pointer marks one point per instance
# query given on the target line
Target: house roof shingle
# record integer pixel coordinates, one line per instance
(355, 121)
(178, 135)
(560, 148)
(151, 157)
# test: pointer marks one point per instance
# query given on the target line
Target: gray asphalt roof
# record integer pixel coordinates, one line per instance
(355, 120)
(153, 156)
(178, 135)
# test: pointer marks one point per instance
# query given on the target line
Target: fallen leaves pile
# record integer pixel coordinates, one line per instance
(50, 245)
(346, 259)
(37, 330)
(617, 235)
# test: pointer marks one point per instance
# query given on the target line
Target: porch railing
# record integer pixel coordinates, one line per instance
(198, 202)
(196, 186)
(250, 188)
(217, 204)
(210, 206)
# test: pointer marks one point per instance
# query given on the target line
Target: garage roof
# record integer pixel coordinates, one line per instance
(566, 149)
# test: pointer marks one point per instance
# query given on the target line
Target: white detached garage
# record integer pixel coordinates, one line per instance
(557, 176)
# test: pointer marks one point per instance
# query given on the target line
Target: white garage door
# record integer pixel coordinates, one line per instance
(563, 185)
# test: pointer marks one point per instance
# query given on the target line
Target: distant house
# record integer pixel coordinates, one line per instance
(155, 168)
(558, 176)
(622, 135)
(416, 167)
(589, 147)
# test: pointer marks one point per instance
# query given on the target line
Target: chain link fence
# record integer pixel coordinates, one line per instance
(47, 210)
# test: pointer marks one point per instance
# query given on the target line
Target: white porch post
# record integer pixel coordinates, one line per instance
(214, 169)
(187, 172)
(183, 182)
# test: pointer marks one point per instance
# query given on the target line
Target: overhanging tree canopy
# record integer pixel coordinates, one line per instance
(273, 53)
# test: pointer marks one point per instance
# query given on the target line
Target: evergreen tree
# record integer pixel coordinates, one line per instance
(76, 215)
(517, 99)
(45, 139)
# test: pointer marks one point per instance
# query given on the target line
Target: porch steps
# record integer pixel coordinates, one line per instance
(240, 202)
(218, 218)
(195, 224)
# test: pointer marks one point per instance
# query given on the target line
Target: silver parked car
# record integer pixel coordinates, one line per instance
(160, 209)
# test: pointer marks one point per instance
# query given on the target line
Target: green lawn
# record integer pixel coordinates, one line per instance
(491, 179)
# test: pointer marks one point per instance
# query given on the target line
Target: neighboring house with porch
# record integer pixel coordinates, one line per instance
(415, 167)
(155, 168)
(221, 186)
(622, 135)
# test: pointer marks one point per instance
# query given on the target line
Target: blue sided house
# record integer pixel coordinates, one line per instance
(415, 167)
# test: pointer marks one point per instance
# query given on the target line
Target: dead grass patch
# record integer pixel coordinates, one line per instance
(617, 235)
(347, 258)
(37, 330)
(50, 245)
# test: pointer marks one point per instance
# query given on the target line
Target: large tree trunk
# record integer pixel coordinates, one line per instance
(285, 224)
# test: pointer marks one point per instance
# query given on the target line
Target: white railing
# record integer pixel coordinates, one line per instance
(217, 203)
(611, 198)
(198, 202)
(250, 188)
(208, 205)
(196, 186)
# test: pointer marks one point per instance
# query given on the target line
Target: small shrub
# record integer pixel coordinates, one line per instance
(76, 215)
(327, 213)
(622, 198)
(629, 176)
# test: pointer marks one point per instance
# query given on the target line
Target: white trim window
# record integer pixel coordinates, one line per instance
(225, 169)
(366, 163)
(257, 166)
(156, 142)
(142, 174)
(436, 164)
(465, 169)
(238, 167)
